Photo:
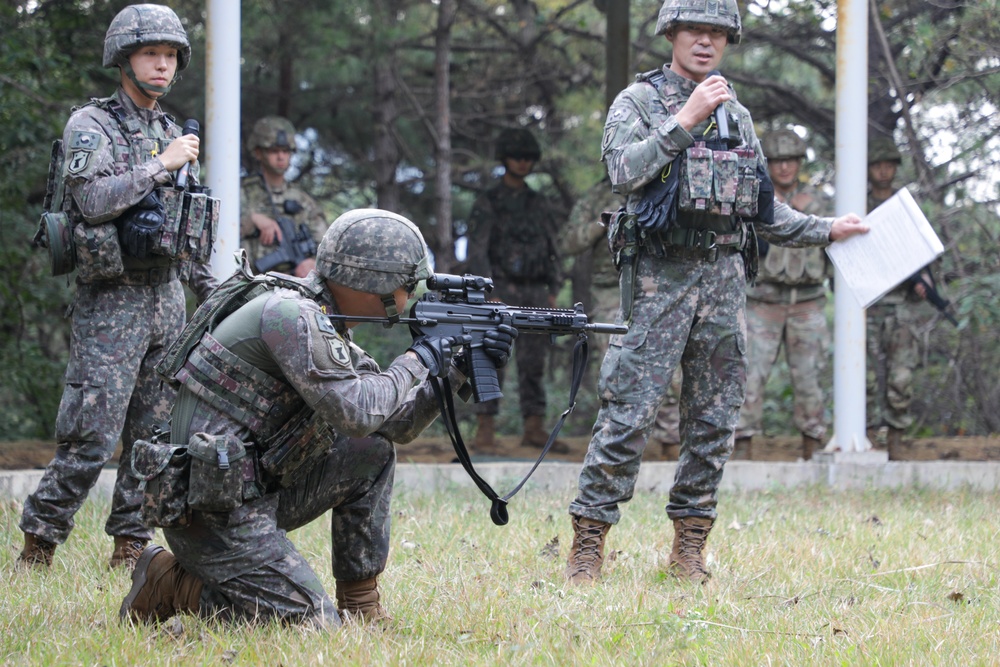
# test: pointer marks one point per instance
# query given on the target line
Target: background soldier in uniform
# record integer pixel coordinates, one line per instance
(297, 361)
(688, 293)
(128, 306)
(786, 307)
(513, 239)
(266, 196)
(893, 349)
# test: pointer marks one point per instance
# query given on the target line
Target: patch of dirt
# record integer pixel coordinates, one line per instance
(29, 454)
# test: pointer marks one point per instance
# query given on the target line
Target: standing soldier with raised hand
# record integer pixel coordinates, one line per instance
(123, 154)
(687, 247)
(786, 308)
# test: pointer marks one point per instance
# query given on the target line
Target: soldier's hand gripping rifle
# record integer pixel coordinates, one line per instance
(456, 306)
(296, 246)
(932, 295)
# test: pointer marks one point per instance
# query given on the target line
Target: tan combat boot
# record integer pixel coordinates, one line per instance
(686, 561)
(160, 588)
(743, 449)
(127, 551)
(894, 443)
(536, 436)
(809, 446)
(586, 555)
(485, 442)
(359, 601)
(37, 553)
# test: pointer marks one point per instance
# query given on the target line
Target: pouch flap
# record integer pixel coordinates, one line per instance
(149, 459)
(216, 450)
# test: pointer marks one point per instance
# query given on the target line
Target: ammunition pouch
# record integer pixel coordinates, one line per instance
(163, 471)
(191, 221)
(719, 182)
(223, 473)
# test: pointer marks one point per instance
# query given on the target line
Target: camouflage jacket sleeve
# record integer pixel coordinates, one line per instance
(584, 229)
(249, 203)
(98, 192)
(200, 280)
(792, 229)
(633, 151)
(335, 377)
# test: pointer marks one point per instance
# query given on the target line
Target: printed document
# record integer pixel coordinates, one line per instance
(900, 243)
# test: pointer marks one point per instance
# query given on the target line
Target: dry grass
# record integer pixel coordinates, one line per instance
(806, 577)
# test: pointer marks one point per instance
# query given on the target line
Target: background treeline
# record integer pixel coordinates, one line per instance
(397, 103)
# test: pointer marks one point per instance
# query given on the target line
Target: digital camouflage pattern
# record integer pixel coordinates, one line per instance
(271, 131)
(786, 308)
(139, 25)
(687, 313)
(254, 199)
(120, 326)
(513, 238)
(249, 567)
(722, 13)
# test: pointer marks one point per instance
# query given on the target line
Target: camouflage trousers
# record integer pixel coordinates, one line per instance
(893, 353)
(251, 569)
(119, 334)
(801, 329)
(685, 313)
(530, 353)
(666, 426)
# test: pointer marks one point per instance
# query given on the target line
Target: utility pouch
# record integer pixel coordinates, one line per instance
(622, 237)
(163, 472)
(55, 232)
(303, 439)
(98, 251)
(748, 187)
(219, 469)
(726, 166)
(191, 220)
(696, 178)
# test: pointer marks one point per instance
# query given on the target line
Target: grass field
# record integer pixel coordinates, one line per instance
(805, 577)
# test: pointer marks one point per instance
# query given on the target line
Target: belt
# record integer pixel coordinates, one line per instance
(158, 275)
(695, 244)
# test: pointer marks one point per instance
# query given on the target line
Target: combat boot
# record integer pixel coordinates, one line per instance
(485, 442)
(536, 436)
(36, 553)
(586, 555)
(743, 449)
(359, 601)
(126, 552)
(809, 446)
(160, 588)
(894, 443)
(686, 560)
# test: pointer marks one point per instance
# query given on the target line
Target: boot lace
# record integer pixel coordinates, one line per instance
(692, 541)
(587, 543)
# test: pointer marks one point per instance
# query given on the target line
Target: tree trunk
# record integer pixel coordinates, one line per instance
(444, 248)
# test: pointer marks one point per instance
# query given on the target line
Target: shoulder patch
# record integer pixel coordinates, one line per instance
(82, 145)
(332, 348)
(610, 130)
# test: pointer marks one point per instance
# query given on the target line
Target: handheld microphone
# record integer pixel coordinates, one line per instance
(190, 127)
(721, 120)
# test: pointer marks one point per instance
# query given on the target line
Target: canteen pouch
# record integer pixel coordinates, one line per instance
(55, 232)
(219, 468)
(162, 471)
(98, 251)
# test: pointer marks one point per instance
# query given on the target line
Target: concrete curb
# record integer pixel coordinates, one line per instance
(656, 477)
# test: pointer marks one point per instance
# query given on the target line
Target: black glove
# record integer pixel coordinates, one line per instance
(139, 224)
(765, 198)
(435, 352)
(498, 343)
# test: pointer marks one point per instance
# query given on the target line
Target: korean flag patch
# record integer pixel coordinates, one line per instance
(82, 145)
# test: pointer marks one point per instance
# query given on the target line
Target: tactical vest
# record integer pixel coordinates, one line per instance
(795, 267)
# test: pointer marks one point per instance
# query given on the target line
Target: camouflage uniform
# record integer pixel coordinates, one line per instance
(583, 233)
(686, 311)
(512, 238)
(786, 307)
(120, 326)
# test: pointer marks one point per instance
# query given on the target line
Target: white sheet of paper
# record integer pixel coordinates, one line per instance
(900, 243)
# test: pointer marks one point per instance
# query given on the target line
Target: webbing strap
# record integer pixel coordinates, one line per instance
(498, 509)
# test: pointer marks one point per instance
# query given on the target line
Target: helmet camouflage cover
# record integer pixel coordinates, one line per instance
(722, 13)
(373, 251)
(883, 149)
(783, 145)
(271, 131)
(517, 141)
(140, 25)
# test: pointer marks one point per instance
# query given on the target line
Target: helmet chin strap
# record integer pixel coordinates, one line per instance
(143, 87)
(389, 302)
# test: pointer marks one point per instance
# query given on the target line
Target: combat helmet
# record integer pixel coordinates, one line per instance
(517, 141)
(883, 149)
(272, 131)
(373, 251)
(722, 13)
(140, 25)
(783, 145)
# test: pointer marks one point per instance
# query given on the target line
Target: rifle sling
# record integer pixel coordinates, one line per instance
(442, 389)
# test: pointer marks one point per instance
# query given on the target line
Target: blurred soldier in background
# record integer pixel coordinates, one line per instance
(280, 224)
(513, 239)
(785, 308)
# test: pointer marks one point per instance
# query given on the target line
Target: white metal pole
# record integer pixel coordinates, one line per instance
(851, 183)
(222, 126)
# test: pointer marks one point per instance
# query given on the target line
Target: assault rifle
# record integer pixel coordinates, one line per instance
(457, 306)
(296, 246)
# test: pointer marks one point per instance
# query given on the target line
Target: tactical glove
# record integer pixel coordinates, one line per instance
(498, 343)
(436, 352)
(138, 225)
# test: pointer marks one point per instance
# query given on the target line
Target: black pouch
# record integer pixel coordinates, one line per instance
(219, 468)
(163, 472)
